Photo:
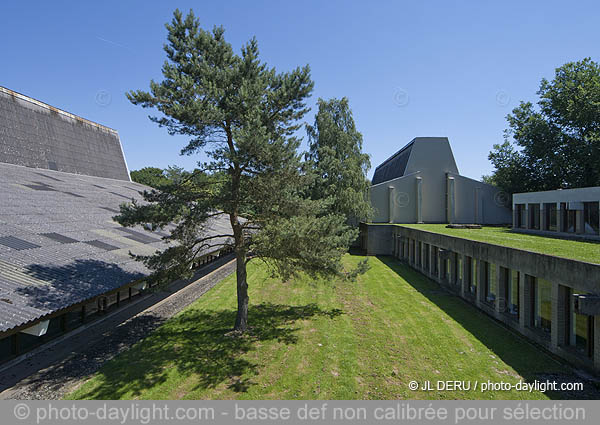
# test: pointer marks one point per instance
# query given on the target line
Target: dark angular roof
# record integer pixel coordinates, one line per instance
(34, 134)
(57, 249)
(394, 166)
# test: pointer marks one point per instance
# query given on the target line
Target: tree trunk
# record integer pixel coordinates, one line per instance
(241, 320)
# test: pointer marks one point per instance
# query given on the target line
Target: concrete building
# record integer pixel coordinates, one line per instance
(63, 260)
(569, 212)
(421, 184)
(550, 300)
(553, 301)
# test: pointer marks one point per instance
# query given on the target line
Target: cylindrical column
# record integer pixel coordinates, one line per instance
(390, 204)
(419, 206)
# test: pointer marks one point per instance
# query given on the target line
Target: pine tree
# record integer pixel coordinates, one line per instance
(243, 116)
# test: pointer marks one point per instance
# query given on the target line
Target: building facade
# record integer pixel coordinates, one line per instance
(550, 300)
(568, 212)
(421, 184)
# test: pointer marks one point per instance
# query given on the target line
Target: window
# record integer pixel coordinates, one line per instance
(551, 211)
(512, 302)
(543, 304)
(590, 218)
(534, 216)
(473, 276)
(492, 283)
(521, 216)
(5, 349)
(569, 218)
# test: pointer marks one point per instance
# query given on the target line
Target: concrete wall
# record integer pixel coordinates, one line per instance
(377, 239)
(562, 274)
(403, 197)
(33, 134)
(478, 202)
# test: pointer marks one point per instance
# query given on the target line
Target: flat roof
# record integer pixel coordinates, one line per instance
(587, 251)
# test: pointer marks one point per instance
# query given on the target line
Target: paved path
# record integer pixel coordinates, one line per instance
(57, 370)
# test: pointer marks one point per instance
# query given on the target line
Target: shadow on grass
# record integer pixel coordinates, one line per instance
(527, 360)
(197, 344)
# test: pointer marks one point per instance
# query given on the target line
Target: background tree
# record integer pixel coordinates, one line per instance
(157, 177)
(242, 115)
(557, 144)
(150, 176)
(336, 158)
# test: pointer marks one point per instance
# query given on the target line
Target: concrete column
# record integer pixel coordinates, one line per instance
(464, 286)
(597, 343)
(527, 218)
(501, 303)
(390, 204)
(558, 334)
(419, 202)
(515, 213)
(573, 333)
(525, 300)
(410, 251)
(438, 262)
(450, 199)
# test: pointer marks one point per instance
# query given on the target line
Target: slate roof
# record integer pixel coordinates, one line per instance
(59, 245)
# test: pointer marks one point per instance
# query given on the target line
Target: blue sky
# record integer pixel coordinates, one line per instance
(410, 69)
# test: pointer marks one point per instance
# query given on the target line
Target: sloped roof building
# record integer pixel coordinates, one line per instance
(62, 257)
(421, 184)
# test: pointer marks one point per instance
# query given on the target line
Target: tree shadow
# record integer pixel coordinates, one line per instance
(198, 344)
(72, 283)
(528, 360)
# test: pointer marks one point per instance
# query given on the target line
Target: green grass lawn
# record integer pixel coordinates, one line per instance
(578, 250)
(323, 340)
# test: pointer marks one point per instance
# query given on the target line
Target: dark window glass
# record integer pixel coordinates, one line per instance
(590, 217)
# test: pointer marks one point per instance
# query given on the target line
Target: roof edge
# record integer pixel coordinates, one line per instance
(36, 102)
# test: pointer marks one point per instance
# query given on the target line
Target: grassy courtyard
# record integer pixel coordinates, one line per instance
(578, 250)
(323, 340)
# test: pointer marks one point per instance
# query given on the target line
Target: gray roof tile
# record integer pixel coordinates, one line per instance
(50, 275)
